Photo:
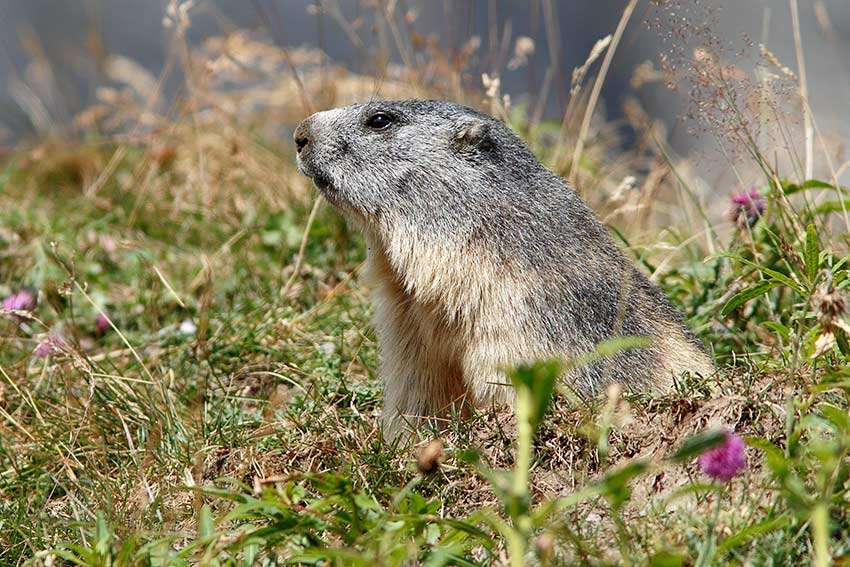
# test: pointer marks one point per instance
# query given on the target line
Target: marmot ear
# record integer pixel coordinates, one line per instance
(473, 135)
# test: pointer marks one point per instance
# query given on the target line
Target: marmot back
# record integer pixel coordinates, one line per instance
(482, 259)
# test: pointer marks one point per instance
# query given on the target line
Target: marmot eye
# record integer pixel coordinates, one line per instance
(379, 121)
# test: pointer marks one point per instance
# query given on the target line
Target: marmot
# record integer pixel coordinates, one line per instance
(482, 259)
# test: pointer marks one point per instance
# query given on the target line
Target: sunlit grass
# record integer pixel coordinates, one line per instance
(229, 412)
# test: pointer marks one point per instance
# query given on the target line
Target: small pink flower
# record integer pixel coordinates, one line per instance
(50, 344)
(726, 460)
(747, 207)
(101, 324)
(22, 301)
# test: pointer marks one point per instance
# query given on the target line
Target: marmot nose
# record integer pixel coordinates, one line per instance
(302, 136)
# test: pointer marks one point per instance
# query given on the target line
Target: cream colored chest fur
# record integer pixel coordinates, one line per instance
(447, 320)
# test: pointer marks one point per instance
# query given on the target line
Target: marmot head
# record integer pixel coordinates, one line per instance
(431, 160)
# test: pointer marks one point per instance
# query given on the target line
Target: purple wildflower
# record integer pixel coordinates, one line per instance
(22, 301)
(50, 344)
(726, 460)
(747, 207)
(101, 325)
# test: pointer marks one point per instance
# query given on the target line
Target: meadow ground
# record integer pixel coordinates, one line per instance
(188, 376)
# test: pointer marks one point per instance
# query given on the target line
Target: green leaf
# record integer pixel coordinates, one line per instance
(829, 207)
(791, 188)
(71, 557)
(687, 490)
(617, 345)
(840, 263)
(696, 445)
(836, 416)
(812, 261)
(782, 278)
(443, 557)
(471, 456)
(773, 274)
(464, 527)
(628, 246)
(752, 531)
(750, 293)
(843, 343)
(616, 484)
(608, 348)
(666, 559)
(774, 457)
(540, 380)
(103, 537)
(778, 328)
(206, 526)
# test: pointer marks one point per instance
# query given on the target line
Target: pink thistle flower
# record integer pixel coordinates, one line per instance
(747, 207)
(101, 324)
(22, 301)
(50, 344)
(726, 460)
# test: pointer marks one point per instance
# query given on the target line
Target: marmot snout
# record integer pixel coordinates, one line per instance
(482, 259)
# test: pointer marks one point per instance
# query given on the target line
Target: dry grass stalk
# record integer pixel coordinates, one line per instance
(597, 88)
(804, 92)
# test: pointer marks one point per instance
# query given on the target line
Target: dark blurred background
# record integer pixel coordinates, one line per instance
(70, 35)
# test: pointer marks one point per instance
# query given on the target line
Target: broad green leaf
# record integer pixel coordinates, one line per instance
(782, 278)
(745, 295)
(812, 260)
(773, 274)
(778, 328)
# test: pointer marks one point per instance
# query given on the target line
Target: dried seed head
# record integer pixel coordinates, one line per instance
(491, 85)
(579, 72)
(773, 60)
(830, 307)
(645, 73)
(429, 457)
(523, 49)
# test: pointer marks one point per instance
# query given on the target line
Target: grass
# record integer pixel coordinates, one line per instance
(228, 411)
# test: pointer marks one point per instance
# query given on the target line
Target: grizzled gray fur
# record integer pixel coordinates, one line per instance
(482, 259)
